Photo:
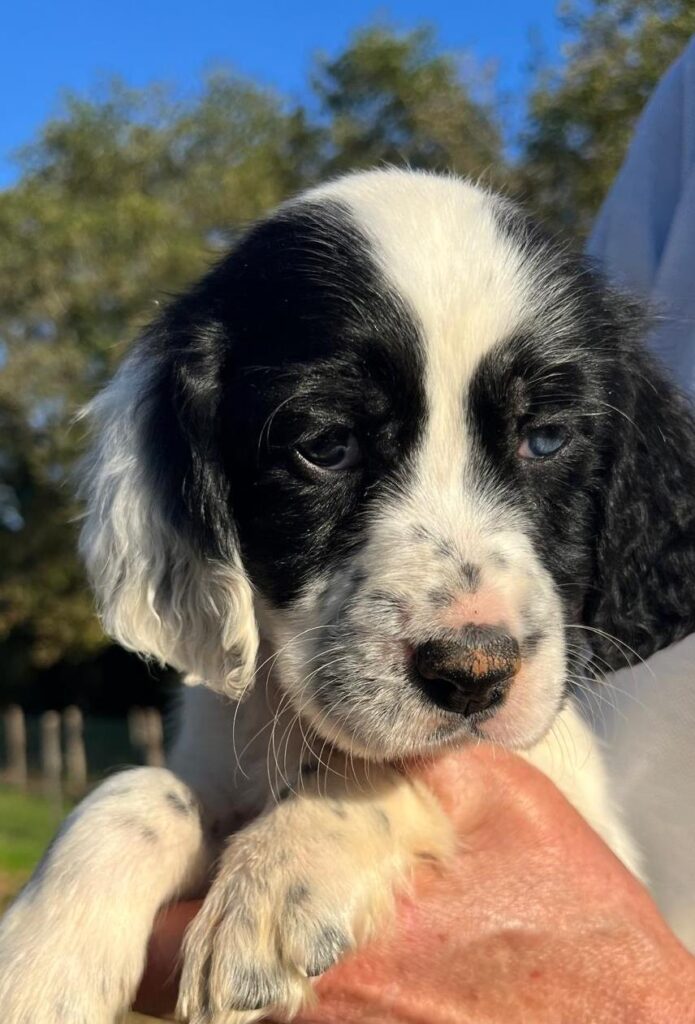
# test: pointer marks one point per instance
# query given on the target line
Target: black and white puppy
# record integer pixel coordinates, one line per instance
(402, 461)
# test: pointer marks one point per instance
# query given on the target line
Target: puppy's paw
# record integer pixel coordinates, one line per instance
(295, 891)
(301, 886)
(268, 925)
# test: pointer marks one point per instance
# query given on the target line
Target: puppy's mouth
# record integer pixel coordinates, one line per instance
(439, 692)
(408, 699)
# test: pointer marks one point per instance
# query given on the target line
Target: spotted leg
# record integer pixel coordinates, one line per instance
(72, 947)
(304, 883)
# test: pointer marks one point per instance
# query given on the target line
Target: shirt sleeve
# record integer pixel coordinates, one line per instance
(645, 232)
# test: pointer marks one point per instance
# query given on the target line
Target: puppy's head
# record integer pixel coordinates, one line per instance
(414, 444)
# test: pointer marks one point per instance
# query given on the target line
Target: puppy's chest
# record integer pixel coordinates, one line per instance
(244, 760)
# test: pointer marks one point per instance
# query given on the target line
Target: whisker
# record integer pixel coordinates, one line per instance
(619, 644)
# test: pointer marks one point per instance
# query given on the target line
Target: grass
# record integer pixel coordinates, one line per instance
(27, 824)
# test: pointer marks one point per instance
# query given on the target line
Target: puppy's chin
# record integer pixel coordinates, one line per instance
(422, 733)
(399, 746)
(393, 729)
(507, 728)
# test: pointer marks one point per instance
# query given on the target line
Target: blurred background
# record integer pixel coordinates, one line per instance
(135, 141)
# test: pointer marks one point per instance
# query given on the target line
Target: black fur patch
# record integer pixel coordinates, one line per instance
(329, 944)
(295, 332)
(182, 805)
(254, 988)
(297, 895)
(612, 514)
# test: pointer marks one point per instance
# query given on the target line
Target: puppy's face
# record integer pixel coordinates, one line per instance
(412, 434)
(394, 408)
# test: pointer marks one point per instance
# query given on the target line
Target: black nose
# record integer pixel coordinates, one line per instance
(468, 674)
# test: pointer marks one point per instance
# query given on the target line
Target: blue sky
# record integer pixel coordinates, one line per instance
(51, 45)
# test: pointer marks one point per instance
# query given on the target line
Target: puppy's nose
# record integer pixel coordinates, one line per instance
(471, 673)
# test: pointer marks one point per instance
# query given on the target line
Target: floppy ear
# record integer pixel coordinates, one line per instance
(644, 590)
(158, 540)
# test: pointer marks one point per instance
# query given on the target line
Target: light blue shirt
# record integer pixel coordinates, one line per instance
(645, 232)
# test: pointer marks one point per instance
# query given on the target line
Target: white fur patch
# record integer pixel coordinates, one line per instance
(155, 594)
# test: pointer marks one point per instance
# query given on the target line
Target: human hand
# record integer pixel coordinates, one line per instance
(534, 920)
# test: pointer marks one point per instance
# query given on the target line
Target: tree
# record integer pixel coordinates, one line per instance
(122, 200)
(393, 98)
(581, 115)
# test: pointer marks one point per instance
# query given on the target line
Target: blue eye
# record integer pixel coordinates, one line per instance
(540, 442)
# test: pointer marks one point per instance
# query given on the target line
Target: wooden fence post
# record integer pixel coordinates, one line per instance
(145, 730)
(146, 734)
(16, 746)
(136, 727)
(51, 755)
(154, 749)
(75, 756)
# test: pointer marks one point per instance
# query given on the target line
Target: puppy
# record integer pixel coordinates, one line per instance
(402, 462)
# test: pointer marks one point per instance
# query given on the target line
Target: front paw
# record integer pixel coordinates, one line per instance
(268, 925)
(298, 888)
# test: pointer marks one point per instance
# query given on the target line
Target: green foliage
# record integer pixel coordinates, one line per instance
(122, 199)
(394, 99)
(581, 116)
